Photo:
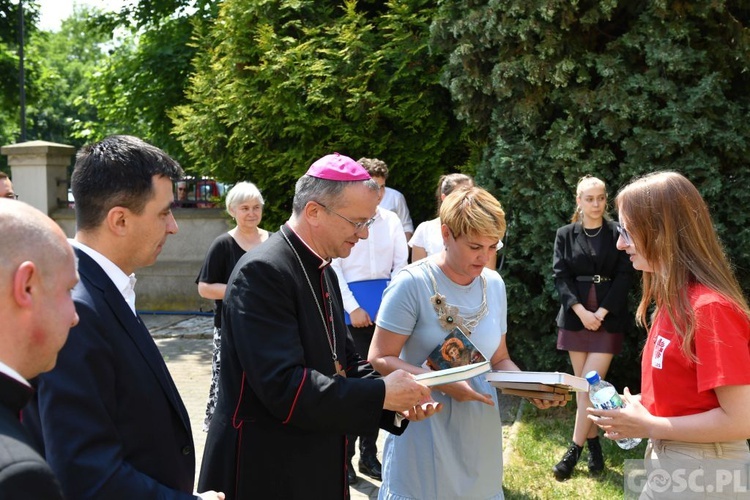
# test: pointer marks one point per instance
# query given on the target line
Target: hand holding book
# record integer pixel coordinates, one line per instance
(463, 392)
(402, 392)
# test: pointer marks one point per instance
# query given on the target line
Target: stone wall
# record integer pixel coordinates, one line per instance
(39, 175)
(169, 285)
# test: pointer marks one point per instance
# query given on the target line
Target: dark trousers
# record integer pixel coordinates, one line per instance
(368, 446)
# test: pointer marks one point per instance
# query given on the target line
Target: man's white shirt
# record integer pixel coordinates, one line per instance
(380, 256)
(395, 202)
(124, 283)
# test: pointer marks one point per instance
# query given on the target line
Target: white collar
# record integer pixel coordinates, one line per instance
(323, 262)
(7, 370)
(122, 281)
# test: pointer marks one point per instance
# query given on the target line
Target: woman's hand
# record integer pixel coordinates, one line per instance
(601, 313)
(632, 421)
(462, 392)
(544, 404)
(589, 319)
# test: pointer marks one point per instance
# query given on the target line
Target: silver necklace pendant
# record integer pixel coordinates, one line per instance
(592, 235)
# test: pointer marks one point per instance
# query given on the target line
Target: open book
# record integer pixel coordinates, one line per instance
(455, 374)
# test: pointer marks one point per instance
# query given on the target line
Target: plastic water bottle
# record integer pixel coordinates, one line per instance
(604, 396)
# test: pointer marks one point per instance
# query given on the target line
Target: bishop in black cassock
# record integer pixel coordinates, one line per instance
(281, 421)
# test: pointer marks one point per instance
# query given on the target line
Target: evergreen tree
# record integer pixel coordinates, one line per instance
(279, 84)
(557, 89)
(62, 65)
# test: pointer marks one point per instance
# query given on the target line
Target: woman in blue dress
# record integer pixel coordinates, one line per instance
(458, 452)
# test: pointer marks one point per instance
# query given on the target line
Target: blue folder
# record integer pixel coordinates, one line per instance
(368, 294)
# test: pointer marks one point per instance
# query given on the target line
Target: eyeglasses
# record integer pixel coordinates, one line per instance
(625, 235)
(358, 226)
(11, 196)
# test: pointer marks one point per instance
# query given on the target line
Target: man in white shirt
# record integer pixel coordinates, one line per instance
(379, 257)
(391, 199)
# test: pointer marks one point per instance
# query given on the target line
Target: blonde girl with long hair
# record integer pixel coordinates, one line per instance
(592, 279)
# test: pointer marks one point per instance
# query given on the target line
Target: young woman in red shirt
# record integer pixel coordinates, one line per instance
(695, 390)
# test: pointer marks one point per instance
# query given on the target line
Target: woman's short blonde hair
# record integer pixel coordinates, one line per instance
(473, 211)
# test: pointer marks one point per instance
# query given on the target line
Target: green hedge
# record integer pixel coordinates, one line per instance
(279, 84)
(558, 89)
(529, 95)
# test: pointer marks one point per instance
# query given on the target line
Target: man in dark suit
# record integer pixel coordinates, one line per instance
(109, 416)
(37, 271)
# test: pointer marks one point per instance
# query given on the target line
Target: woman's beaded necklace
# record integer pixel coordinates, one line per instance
(448, 314)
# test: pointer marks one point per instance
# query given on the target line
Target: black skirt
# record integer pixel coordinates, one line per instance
(590, 341)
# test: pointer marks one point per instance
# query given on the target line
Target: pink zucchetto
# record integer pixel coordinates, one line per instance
(337, 167)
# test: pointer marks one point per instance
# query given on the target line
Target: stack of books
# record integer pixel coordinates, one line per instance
(553, 386)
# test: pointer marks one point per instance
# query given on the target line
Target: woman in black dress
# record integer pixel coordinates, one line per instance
(245, 205)
(592, 278)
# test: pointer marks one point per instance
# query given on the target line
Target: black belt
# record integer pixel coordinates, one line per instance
(594, 279)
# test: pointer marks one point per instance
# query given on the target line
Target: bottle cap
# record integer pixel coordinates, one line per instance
(593, 377)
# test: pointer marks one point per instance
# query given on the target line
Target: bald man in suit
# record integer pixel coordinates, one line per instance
(37, 272)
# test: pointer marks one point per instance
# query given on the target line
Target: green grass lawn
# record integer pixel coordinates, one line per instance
(539, 442)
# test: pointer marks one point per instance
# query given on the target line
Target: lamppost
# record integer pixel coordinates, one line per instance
(21, 75)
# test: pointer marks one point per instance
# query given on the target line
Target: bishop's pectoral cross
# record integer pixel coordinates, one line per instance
(339, 369)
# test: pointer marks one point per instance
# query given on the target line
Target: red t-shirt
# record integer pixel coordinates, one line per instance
(672, 385)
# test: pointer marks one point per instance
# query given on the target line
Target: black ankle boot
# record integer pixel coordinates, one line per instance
(596, 459)
(564, 468)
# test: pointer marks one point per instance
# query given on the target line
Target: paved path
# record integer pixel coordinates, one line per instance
(185, 343)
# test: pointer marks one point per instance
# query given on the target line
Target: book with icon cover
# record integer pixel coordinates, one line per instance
(455, 350)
